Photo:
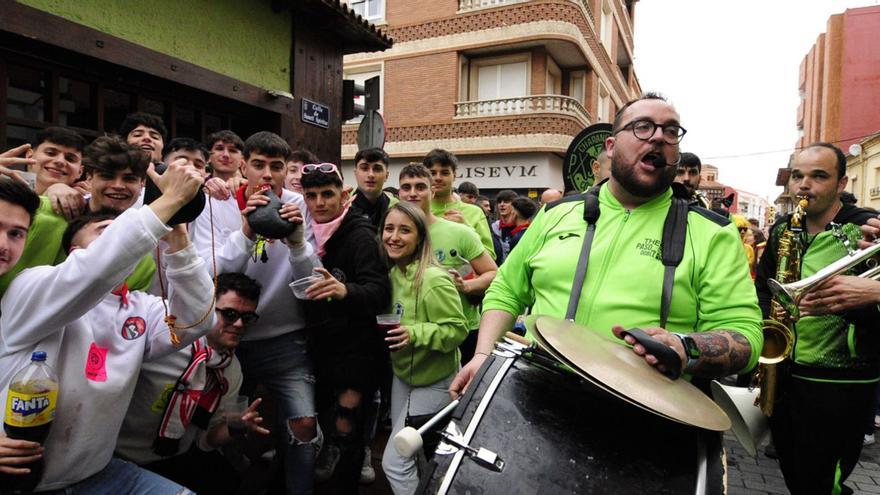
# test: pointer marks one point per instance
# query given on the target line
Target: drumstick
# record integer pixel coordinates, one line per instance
(518, 339)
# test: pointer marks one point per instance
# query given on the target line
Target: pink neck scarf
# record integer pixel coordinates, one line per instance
(323, 231)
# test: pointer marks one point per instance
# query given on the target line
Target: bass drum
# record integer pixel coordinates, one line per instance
(557, 433)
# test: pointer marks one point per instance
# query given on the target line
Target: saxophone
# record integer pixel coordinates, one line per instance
(778, 336)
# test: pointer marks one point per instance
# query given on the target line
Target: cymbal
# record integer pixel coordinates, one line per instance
(559, 357)
(612, 365)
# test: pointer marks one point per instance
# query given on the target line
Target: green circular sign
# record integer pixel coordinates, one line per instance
(577, 169)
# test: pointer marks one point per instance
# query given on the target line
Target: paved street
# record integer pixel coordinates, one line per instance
(761, 476)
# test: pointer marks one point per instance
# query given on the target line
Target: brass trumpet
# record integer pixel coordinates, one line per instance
(791, 294)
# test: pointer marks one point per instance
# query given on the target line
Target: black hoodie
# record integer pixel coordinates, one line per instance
(346, 329)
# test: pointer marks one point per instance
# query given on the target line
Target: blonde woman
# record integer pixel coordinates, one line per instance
(424, 347)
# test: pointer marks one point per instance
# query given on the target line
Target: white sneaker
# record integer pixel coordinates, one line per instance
(869, 439)
(368, 474)
(327, 461)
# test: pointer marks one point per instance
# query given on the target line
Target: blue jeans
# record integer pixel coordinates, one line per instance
(283, 366)
(122, 477)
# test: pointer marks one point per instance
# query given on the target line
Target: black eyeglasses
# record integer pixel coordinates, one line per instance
(643, 129)
(743, 230)
(230, 316)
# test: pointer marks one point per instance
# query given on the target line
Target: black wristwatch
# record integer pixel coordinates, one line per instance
(691, 350)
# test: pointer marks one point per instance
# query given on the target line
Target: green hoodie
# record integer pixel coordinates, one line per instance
(474, 217)
(43, 247)
(435, 321)
(712, 289)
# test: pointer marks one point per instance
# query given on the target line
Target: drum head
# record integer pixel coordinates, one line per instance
(614, 366)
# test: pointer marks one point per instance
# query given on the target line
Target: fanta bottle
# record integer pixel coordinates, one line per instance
(30, 409)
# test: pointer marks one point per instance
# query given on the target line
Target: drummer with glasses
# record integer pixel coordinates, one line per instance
(712, 319)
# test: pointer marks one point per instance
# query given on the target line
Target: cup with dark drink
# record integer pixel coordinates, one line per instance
(388, 322)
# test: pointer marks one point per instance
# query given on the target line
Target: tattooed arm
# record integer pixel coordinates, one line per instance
(722, 352)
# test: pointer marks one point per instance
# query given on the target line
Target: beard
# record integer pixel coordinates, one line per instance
(626, 176)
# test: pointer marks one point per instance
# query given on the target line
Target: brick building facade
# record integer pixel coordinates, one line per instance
(504, 84)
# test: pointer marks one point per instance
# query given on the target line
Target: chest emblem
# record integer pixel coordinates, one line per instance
(338, 274)
(650, 248)
(133, 328)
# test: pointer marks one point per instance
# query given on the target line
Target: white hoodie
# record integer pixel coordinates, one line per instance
(280, 312)
(94, 344)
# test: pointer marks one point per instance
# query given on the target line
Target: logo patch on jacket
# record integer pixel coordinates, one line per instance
(133, 328)
(338, 274)
(650, 247)
(441, 255)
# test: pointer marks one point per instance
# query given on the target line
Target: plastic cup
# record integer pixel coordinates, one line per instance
(299, 286)
(388, 321)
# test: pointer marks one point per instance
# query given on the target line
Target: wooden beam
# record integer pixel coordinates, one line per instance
(41, 26)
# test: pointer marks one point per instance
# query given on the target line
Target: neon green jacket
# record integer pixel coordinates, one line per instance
(455, 244)
(712, 289)
(474, 217)
(436, 325)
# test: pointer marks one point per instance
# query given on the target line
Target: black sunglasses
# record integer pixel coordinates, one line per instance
(230, 316)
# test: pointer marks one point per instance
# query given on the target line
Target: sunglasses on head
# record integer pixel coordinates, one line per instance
(230, 316)
(325, 168)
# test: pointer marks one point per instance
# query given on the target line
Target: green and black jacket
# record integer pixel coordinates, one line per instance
(842, 347)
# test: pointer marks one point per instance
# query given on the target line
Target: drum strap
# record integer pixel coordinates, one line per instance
(674, 230)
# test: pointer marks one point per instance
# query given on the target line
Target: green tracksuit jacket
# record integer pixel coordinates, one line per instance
(475, 218)
(435, 321)
(838, 347)
(712, 289)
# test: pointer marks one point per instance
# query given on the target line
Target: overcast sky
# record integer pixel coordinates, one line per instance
(731, 69)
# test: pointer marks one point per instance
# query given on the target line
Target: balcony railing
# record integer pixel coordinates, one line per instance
(466, 5)
(469, 5)
(522, 105)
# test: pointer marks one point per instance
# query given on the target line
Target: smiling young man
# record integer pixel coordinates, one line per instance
(371, 172)
(346, 345)
(443, 166)
(173, 431)
(456, 247)
(274, 351)
(115, 171)
(57, 155)
(226, 158)
(712, 301)
(96, 340)
(145, 131)
(818, 421)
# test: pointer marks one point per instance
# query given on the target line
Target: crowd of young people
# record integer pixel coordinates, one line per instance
(166, 338)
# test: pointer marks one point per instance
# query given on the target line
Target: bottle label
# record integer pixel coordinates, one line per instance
(29, 410)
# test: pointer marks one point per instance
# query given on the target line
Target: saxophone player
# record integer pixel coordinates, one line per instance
(826, 386)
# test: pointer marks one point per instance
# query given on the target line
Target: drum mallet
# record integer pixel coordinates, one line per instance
(408, 441)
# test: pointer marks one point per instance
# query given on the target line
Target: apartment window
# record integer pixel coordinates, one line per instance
(499, 77)
(602, 109)
(606, 27)
(576, 86)
(554, 78)
(369, 9)
(359, 76)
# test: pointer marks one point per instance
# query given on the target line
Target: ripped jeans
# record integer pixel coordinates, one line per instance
(283, 366)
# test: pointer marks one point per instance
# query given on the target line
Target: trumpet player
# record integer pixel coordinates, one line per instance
(825, 387)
